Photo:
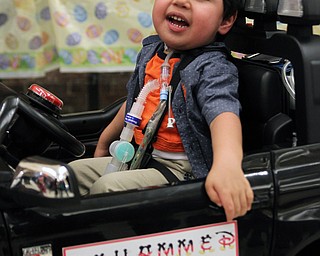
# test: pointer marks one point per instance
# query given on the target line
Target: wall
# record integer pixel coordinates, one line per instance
(78, 91)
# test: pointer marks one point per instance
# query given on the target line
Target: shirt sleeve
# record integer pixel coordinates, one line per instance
(217, 90)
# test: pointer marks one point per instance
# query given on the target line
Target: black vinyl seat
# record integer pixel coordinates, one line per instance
(265, 113)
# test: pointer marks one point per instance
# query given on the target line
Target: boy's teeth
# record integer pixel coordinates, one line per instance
(176, 18)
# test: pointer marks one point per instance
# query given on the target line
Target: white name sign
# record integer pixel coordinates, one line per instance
(216, 239)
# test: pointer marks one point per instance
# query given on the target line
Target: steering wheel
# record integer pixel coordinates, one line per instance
(14, 106)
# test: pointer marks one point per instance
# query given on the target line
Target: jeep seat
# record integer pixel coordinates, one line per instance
(264, 115)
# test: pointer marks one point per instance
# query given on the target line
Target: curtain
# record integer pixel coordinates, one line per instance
(37, 36)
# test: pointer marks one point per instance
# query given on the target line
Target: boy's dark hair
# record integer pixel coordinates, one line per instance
(230, 7)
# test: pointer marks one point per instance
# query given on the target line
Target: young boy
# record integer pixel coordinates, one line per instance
(206, 139)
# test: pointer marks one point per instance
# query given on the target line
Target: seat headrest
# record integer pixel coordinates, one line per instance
(259, 9)
(287, 11)
(258, 87)
(299, 11)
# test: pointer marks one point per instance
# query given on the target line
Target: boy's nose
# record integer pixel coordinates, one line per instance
(182, 3)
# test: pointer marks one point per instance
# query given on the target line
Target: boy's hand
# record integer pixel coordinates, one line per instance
(230, 189)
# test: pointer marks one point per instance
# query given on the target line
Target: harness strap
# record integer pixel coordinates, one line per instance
(170, 177)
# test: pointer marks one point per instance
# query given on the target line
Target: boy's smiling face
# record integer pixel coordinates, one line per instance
(187, 24)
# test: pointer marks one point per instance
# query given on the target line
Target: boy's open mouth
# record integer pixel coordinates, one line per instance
(177, 21)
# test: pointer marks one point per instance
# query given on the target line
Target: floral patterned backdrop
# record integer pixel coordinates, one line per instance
(37, 36)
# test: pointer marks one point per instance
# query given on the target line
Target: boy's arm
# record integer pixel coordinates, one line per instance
(110, 133)
(226, 184)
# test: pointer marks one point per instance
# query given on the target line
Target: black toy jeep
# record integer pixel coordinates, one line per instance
(42, 213)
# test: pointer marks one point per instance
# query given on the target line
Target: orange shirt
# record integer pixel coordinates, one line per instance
(168, 139)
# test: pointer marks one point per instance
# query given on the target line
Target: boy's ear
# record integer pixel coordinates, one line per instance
(227, 24)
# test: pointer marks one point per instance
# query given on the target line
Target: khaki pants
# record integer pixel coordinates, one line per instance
(91, 179)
